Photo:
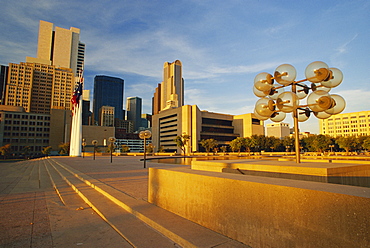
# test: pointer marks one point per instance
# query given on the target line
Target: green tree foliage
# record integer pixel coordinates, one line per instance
(208, 144)
(182, 141)
(125, 148)
(251, 142)
(237, 144)
(64, 148)
(321, 143)
(150, 148)
(366, 143)
(46, 150)
(5, 150)
(223, 149)
(26, 151)
(347, 143)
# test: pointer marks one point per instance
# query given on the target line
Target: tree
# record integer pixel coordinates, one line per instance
(249, 143)
(5, 150)
(321, 142)
(237, 144)
(366, 143)
(182, 141)
(64, 148)
(150, 148)
(208, 144)
(46, 150)
(125, 148)
(223, 149)
(26, 151)
(347, 142)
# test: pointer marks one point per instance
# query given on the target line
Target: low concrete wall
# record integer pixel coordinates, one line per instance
(266, 212)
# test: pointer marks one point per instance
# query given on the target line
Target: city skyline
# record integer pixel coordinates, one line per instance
(222, 45)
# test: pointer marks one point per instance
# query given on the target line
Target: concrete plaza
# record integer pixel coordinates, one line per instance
(49, 203)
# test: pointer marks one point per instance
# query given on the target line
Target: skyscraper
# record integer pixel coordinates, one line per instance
(133, 106)
(60, 47)
(3, 79)
(108, 91)
(170, 93)
(39, 87)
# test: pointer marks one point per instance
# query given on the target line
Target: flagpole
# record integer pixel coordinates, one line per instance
(76, 129)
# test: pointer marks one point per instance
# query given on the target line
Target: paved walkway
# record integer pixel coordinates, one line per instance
(67, 202)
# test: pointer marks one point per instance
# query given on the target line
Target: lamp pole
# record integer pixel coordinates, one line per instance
(83, 147)
(274, 102)
(111, 141)
(145, 135)
(94, 142)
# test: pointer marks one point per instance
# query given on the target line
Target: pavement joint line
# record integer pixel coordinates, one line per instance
(53, 183)
(160, 228)
(88, 202)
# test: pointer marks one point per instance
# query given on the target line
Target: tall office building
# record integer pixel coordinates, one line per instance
(348, 124)
(133, 106)
(59, 47)
(170, 93)
(3, 79)
(39, 87)
(108, 91)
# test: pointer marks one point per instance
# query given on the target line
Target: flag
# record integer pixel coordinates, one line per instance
(77, 93)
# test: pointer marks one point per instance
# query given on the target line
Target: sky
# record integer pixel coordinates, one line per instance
(222, 45)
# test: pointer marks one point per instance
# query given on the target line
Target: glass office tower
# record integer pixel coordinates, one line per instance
(108, 91)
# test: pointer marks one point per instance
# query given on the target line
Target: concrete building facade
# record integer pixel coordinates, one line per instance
(278, 129)
(348, 124)
(106, 116)
(39, 87)
(190, 120)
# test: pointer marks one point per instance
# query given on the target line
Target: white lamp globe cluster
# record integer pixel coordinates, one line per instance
(275, 102)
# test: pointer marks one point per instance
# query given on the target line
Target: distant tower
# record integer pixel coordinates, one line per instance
(3, 79)
(133, 106)
(60, 47)
(170, 93)
(108, 91)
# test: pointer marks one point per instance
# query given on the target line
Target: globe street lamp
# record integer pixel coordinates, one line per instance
(83, 147)
(275, 102)
(111, 146)
(94, 142)
(145, 135)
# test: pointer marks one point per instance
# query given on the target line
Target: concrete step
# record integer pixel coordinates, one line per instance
(181, 231)
(133, 230)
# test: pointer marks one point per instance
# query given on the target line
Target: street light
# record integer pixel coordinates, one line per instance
(145, 135)
(331, 148)
(274, 102)
(94, 142)
(111, 141)
(83, 147)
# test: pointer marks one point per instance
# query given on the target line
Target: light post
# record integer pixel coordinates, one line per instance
(94, 142)
(274, 102)
(111, 146)
(331, 148)
(145, 135)
(83, 147)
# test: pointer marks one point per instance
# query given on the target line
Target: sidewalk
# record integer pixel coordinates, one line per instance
(39, 209)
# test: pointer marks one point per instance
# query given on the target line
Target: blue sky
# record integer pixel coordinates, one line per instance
(222, 45)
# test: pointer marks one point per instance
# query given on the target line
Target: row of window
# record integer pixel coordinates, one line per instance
(26, 134)
(27, 123)
(30, 141)
(32, 129)
(31, 117)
